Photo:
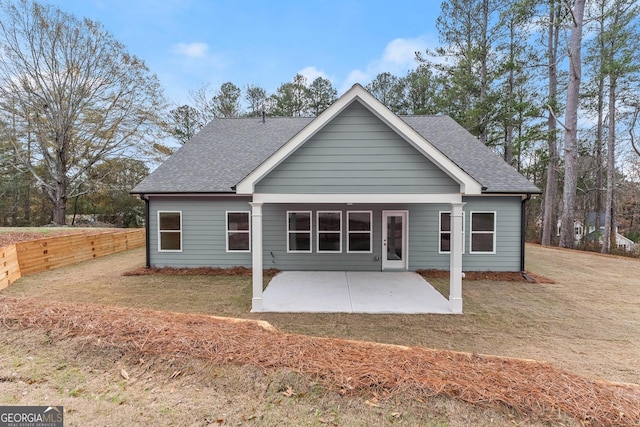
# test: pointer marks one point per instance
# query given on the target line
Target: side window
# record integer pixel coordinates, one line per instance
(238, 232)
(169, 231)
(299, 231)
(329, 238)
(483, 232)
(445, 232)
(359, 231)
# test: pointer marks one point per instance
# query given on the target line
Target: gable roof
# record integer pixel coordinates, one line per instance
(238, 152)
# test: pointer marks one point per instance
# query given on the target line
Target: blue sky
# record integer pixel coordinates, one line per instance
(187, 43)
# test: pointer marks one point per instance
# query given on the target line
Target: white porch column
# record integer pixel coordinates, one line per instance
(256, 255)
(455, 263)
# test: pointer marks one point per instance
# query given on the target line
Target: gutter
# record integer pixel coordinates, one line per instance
(146, 228)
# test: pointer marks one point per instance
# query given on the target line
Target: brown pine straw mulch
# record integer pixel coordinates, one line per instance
(528, 387)
(244, 271)
(198, 271)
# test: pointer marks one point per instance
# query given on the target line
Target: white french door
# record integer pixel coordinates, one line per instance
(395, 230)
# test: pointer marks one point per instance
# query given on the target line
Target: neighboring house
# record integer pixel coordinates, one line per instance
(356, 188)
(588, 233)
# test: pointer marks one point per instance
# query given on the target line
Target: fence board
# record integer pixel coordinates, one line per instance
(54, 252)
(9, 266)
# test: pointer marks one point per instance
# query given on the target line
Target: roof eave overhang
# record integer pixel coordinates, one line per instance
(182, 193)
(468, 185)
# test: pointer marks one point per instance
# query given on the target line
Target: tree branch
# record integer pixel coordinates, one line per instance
(550, 108)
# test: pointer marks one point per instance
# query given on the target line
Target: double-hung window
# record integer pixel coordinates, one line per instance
(329, 225)
(299, 231)
(483, 232)
(445, 233)
(169, 231)
(359, 231)
(238, 232)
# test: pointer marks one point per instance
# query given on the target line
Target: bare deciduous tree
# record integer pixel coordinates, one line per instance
(77, 90)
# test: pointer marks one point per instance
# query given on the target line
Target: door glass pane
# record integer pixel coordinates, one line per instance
(394, 238)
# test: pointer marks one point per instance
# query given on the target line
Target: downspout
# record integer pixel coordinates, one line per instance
(146, 230)
(522, 236)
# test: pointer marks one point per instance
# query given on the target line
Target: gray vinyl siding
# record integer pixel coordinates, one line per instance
(424, 235)
(508, 233)
(203, 232)
(203, 223)
(274, 221)
(357, 153)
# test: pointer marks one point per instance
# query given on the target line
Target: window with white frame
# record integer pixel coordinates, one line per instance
(329, 238)
(483, 232)
(445, 232)
(359, 231)
(169, 231)
(299, 231)
(238, 232)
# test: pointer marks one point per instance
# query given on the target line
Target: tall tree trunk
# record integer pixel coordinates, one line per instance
(483, 72)
(550, 193)
(59, 199)
(567, 233)
(609, 238)
(508, 149)
(600, 124)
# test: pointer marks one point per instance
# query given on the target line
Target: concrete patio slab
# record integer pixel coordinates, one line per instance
(352, 292)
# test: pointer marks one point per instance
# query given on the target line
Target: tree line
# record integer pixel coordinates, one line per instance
(551, 86)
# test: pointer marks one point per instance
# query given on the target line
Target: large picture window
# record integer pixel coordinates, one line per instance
(359, 231)
(329, 237)
(169, 231)
(483, 232)
(299, 231)
(445, 233)
(238, 232)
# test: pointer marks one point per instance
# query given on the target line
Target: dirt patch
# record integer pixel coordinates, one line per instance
(346, 367)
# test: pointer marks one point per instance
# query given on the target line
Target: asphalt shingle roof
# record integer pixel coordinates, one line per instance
(226, 150)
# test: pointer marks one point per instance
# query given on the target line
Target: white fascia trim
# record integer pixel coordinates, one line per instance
(467, 184)
(357, 198)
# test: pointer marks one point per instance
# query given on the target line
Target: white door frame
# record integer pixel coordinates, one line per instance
(395, 264)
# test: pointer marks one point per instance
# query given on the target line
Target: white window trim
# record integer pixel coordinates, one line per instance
(226, 216)
(360, 231)
(494, 232)
(440, 232)
(289, 232)
(169, 231)
(318, 232)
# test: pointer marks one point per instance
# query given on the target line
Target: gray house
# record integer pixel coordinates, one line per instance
(357, 188)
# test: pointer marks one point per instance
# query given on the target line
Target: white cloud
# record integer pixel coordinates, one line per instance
(400, 54)
(192, 50)
(398, 57)
(312, 73)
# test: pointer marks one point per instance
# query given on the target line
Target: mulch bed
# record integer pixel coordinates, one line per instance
(350, 367)
(498, 276)
(198, 271)
(244, 271)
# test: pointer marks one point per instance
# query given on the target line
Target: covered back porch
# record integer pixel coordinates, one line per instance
(336, 287)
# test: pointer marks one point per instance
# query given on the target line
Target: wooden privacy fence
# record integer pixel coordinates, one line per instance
(34, 256)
